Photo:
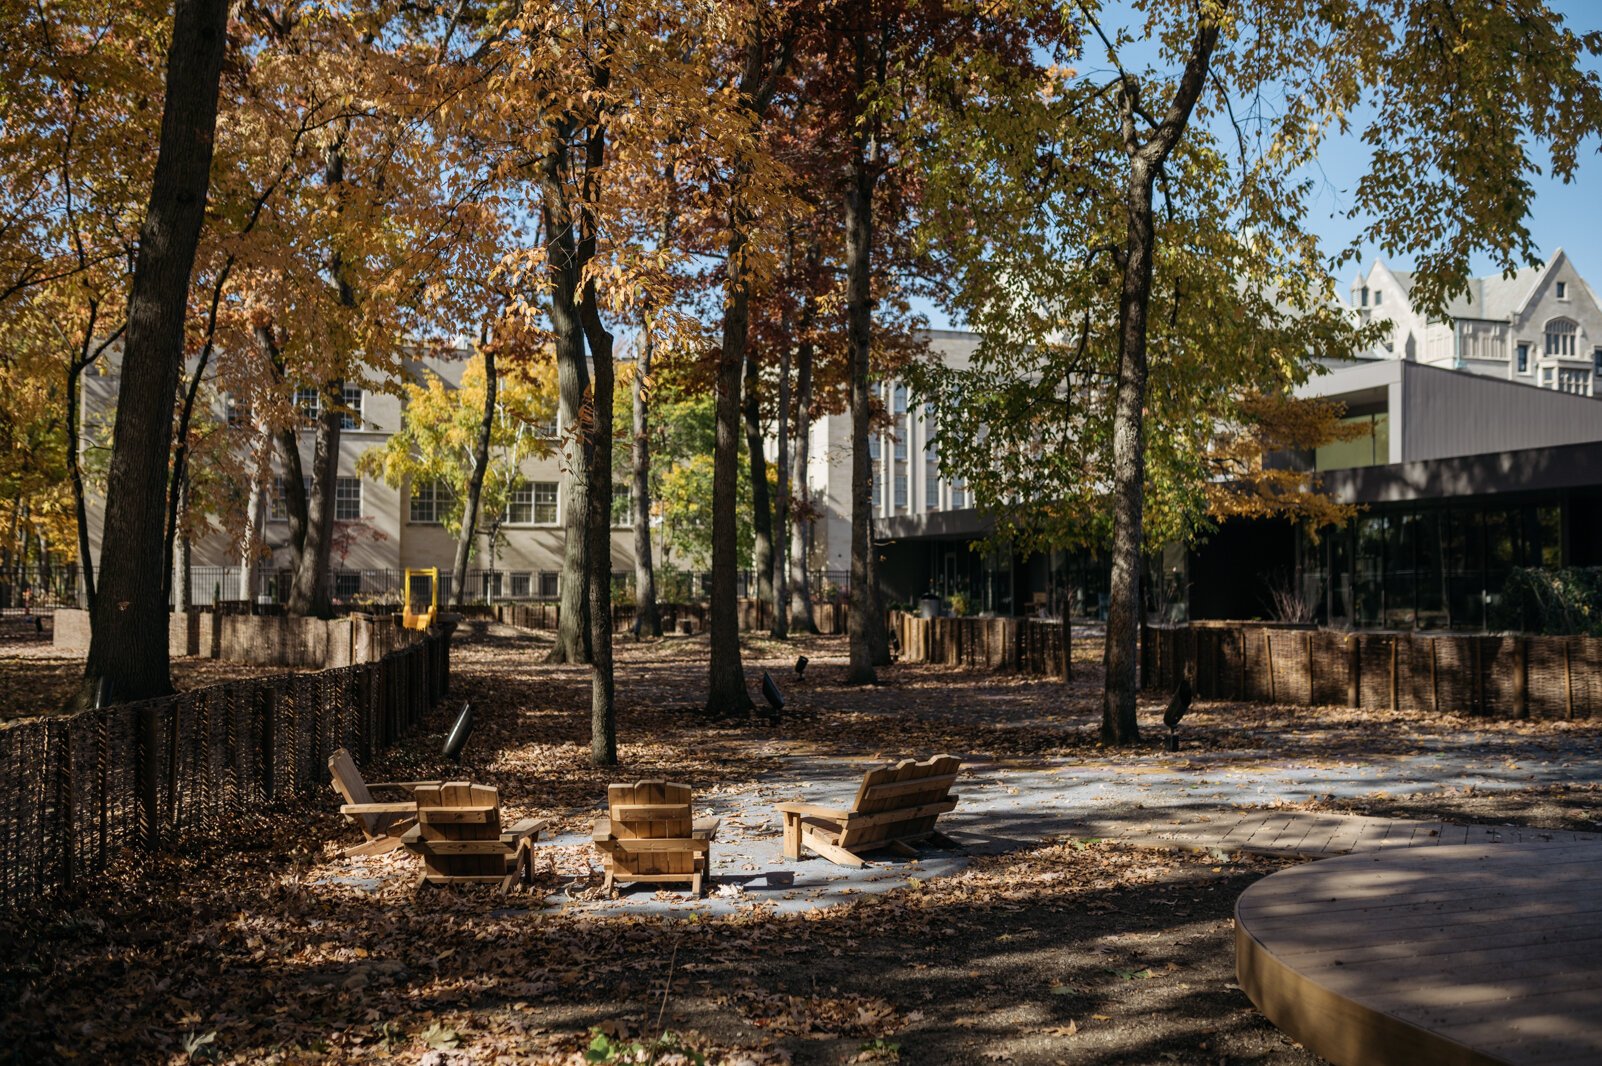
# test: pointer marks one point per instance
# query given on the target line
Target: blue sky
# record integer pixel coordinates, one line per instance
(1566, 216)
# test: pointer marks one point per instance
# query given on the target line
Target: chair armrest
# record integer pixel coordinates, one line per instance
(528, 827)
(705, 828)
(398, 807)
(602, 829)
(814, 810)
(404, 786)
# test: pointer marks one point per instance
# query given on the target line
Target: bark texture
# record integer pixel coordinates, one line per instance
(1146, 158)
(573, 388)
(128, 649)
(802, 619)
(780, 629)
(866, 624)
(310, 591)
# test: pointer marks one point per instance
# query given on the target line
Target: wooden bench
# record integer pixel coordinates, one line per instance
(649, 834)
(895, 808)
(459, 835)
(382, 823)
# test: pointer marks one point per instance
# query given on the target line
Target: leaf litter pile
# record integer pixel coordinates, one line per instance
(243, 950)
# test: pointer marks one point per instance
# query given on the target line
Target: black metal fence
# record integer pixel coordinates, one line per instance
(75, 790)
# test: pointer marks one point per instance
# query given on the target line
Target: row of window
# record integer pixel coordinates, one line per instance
(309, 403)
(532, 503)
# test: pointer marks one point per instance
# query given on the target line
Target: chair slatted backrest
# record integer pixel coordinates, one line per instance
(462, 814)
(917, 791)
(348, 782)
(652, 810)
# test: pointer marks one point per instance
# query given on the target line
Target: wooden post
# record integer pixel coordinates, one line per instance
(1240, 685)
(1435, 688)
(1268, 656)
(1312, 689)
(1394, 700)
(1354, 671)
(1521, 677)
(1568, 681)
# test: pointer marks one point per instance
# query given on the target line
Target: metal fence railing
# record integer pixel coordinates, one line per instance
(75, 790)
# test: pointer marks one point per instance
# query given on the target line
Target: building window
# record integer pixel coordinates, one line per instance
(238, 415)
(622, 505)
(277, 506)
(900, 448)
(352, 418)
(1596, 360)
(431, 500)
(348, 499)
(1365, 296)
(1560, 334)
(547, 429)
(308, 402)
(1562, 290)
(959, 496)
(520, 585)
(1524, 358)
(1378, 297)
(1575, 382)
(549, 587)
(520, 505)
(545, 503)
(1546, 376)
(873, 446)
(898, 401)
(901, 488)
(878, 488)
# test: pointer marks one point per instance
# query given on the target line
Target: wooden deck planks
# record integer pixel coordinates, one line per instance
(1454, 953)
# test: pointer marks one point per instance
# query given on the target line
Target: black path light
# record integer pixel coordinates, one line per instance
(800, 667)
(770, 692)
(457, 740)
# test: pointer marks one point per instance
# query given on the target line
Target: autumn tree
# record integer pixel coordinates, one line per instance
(128, 644)
(1132, 246)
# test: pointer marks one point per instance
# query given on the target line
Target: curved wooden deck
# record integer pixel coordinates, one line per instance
(1466, 954)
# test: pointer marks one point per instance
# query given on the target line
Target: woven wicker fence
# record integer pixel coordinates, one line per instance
(1499, 676)
(1027, 645)
(77, 789)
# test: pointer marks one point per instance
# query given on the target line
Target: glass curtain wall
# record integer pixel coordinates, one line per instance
(1426, 566)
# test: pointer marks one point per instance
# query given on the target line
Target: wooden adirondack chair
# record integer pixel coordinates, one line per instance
(381, 823)
(895, 808)
(459, 835)
(649, 834)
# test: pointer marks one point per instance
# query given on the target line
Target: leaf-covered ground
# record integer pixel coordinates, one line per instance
(1068, 951)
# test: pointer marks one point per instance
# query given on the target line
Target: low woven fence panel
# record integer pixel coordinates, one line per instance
(76, 790)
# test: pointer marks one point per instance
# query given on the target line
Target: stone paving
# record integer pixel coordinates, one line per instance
(1205, 800)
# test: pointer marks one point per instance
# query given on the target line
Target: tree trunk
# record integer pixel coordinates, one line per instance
(250, 551)
(573, 385)
(1121, 653)
(761, 504)
(866, 624)
(801, 616)
(80, 505)
(647, 617)
(727, 695)
(183, 557)
(128, 650)
(310, 592)
(475, 482)
(780, 629)
(603, 705)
